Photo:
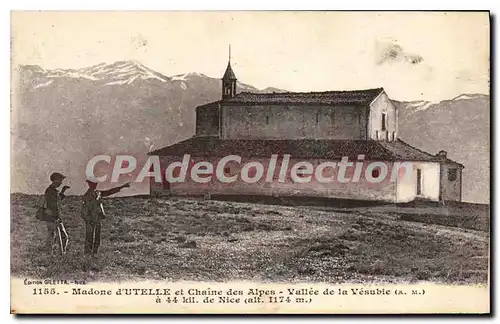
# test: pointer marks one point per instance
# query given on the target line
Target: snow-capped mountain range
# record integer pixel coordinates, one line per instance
(62, 117)
(122, 73)
(423, 105)
(118, 73)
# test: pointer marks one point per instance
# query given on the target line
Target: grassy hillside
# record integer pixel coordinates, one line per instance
(181, 239)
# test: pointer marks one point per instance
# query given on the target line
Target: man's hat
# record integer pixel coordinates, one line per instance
(57, 176)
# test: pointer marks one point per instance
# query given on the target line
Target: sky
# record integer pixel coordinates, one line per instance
(414, 55)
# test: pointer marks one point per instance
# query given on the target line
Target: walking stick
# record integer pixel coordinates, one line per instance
(54, 238)
(66, 237)
(60, 239)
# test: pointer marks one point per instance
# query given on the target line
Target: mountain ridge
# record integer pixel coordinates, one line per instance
(127, 65)
(113, 73)
(65, 116)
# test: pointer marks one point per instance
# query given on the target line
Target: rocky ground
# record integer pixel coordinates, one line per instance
(189, 239)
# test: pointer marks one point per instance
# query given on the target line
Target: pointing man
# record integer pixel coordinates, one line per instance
(93, 213)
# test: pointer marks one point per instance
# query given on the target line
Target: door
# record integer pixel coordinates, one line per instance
(419, 182)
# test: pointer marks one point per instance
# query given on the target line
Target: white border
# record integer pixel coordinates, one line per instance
(185, 5)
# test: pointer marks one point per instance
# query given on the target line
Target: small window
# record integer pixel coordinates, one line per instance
(267, 120)
(375, 173)
(332, 116)
(383, 122)
(215, 120)
(317, 117)
(452, 174)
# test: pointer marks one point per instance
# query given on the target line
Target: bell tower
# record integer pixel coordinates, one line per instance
(228, 81)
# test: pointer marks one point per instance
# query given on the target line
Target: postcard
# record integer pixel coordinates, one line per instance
(250, 162)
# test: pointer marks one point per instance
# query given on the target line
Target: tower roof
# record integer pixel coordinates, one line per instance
(229, 74)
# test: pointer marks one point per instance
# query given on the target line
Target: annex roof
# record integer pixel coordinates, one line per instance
(299, 148)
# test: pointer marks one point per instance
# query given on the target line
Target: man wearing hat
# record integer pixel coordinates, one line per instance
(53, 201)
(93, 212)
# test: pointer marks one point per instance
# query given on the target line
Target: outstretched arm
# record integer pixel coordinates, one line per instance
(62, 194)
(112, 191)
